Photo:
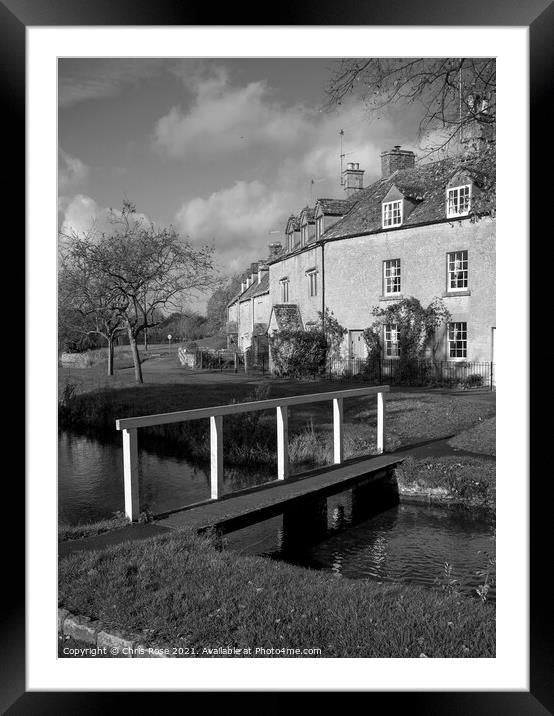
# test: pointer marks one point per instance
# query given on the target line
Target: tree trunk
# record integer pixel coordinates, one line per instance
(146, 339)
(136, 360)
(110, 355)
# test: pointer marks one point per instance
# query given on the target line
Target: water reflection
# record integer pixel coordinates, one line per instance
(402, 542)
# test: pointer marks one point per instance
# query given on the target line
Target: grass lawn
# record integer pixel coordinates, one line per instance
(180, 590)
(480, 438)
(411, 416)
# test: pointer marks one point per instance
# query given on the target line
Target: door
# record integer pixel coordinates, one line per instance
(493, 366)
(357, 350)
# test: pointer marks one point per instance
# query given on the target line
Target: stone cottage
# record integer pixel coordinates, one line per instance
(420, 230)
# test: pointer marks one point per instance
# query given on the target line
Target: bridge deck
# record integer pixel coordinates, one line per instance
(250, 506)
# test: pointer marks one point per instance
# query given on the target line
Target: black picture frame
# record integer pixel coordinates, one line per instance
(538, 15)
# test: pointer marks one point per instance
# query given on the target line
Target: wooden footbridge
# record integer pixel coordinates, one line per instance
(237, 509)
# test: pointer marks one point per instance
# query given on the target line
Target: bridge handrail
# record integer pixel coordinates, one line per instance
(145, 421)
(129, 427)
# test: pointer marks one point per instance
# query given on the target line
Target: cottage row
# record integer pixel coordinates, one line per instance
(421, 230)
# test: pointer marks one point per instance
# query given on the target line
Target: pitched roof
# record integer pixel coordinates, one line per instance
(287, 316)
(293, 222)
(256, 289)
(309, 213)
(335, 207)
(427, 184)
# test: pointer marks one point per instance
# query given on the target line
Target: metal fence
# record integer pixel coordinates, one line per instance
(231, 361)
(450, 374)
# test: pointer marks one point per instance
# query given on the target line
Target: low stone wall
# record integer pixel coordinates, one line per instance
(77, 360)
(112, 643)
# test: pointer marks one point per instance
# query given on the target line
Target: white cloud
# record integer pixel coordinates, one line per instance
(71, 172)
(224, 119)
(81, 215)
(236, 220)
(294, 145)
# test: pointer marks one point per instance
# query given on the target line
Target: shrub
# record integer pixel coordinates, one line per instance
(475, 380)
(298, 354)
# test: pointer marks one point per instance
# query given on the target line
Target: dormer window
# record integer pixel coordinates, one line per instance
(392, 213)
(458, 200)
(319, 227)
(304, 237)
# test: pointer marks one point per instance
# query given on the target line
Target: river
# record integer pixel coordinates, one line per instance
(408, 542)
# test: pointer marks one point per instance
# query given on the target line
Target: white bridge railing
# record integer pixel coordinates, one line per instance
(129, 427)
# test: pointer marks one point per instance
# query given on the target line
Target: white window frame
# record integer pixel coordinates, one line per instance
(453, 338)
(452, 272)
(319, 226)
(391, 276)
(390, 344)
(454, 191)
(312, 282)
(389, 221)
(284, 284)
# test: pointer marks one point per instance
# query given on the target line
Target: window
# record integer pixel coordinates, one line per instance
(284, 290)
(304, 235)
(457, 340)
(391, 277)
(290, 241)
(457, 271)
(319, 227)
(312, 282)
(458, 200)
(392, 213)
(392, 349)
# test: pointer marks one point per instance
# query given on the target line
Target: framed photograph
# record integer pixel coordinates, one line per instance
(263, 286)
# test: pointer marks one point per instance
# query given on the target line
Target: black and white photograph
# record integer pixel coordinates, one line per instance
(276, 291)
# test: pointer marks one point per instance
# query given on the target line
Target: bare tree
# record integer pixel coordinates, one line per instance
(87, 304)
(453, 92)
(146, 269)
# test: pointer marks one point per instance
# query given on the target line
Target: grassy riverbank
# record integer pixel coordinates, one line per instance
(251, 438)
(181, 591)
(455, 480)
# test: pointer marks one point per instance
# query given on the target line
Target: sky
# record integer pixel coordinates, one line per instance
(224, 150)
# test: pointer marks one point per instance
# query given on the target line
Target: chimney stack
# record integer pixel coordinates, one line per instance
(353, 179)
(274, 249)
(395, 159)
(262, 270)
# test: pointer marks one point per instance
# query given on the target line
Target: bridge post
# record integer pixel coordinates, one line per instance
(338, 430)
(282, 442)
(130, 473)
(381, 409)
(216, 456)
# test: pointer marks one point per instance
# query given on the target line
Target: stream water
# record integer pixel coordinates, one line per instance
(348, 534)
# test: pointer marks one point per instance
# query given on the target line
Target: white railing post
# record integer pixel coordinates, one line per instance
(216, 456)
(338, 430)
(381, 409)
(282, 442)
(130, 473)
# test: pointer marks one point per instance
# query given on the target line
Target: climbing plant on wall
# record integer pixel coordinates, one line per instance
(416, 328)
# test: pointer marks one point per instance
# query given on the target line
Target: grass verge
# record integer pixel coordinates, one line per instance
(180, 590)
(467, 481)
(91, 529)
(481, 438)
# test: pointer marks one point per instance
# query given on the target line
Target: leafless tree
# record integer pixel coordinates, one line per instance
(144, 269)
(87, 304)
(453, 92)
